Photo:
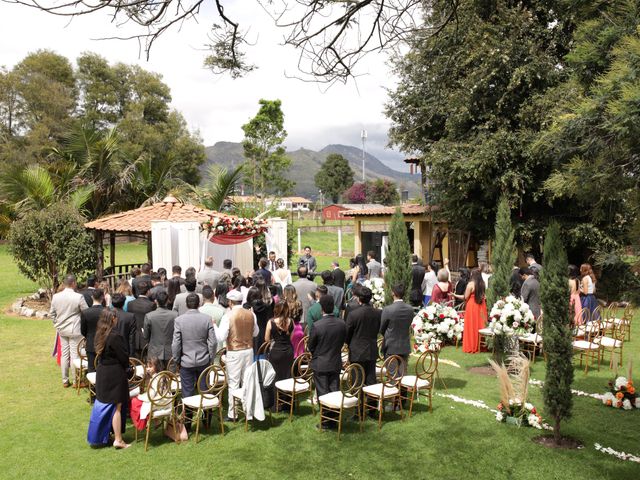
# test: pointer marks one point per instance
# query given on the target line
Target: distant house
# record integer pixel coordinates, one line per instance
(334, 211)
(289, 204)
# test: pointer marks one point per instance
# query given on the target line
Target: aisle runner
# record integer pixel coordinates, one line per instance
(480, 404)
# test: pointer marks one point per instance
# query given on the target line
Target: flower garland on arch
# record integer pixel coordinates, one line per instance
(227, 230)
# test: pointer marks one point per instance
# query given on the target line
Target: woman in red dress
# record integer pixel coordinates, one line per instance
(475, 315)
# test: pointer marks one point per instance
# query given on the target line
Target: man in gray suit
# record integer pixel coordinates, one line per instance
(194, 344)
(304, 287)
(336, 292)
(180, 302)
(395, 325)
(158, 329)
(208, 276)
(308, 261)
(374, 267)
(530, 291)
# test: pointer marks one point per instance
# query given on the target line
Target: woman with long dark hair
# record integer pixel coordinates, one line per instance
(461, 286)
(279, 330)
(263, 313)
(475, 314)
(360, 271)
(588, 288)
(574, 298)
(112, 385)
(173, 289)
(294, 307)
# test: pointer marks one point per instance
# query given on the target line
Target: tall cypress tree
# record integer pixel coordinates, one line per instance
(503, 255)
(399, 255)
(556, 334)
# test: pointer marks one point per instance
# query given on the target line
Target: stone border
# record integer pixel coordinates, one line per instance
(19, 308)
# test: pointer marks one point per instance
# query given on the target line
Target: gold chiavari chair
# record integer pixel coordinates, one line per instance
(80, 365)
(136, 376)
(290, 390)
(613, 344)
(173, 367)
(211, 385)
(532, 342)
(162, 399)
(587, 347)
(387, 390)
(333, 405)
(424, 379)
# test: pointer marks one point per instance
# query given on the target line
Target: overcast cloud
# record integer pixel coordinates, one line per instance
(217, 106)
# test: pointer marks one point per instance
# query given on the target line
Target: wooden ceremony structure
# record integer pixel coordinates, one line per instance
(429, 238)
(137, 223)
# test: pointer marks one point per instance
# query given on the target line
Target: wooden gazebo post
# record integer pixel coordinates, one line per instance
(98, 235)
(112, 251)
(149, 250)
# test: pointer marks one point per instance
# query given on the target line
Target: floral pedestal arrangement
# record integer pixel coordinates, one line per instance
(376, 285)
(622, 394)
(436, 325)
(509, 318)
(519, 414)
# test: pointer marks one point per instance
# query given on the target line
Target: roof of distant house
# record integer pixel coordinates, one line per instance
(139, 220)
(255, 199)
(407, 209)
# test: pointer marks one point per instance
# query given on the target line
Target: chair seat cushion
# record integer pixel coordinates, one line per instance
(175, 385)
(608, 342)
(334, 400)
(139, 371)
(207, 402)
(409, 381)
(485, 331)
(238, 393)
(91, 378)
(287, 385)
(531, 338)
(134, 392)
(376, 390)
(77, 364)
(166, 412)
(584, 345)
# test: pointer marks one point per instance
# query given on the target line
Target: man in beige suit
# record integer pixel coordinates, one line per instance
(65, 313)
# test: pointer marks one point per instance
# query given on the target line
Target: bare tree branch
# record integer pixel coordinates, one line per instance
(332, 36)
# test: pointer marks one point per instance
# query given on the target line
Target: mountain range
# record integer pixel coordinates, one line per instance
(305, 163)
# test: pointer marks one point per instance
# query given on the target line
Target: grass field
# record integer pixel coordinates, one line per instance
(43, 428)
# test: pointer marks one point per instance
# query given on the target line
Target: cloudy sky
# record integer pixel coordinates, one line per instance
(216, 105)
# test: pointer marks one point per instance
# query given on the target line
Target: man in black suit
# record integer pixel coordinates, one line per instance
(126, 325)
(89, 323)
(325, 344)
(87, 292)
(158, 329)
(363, 326)
(417, 275)
(140, 307)
(395, 325)
(145, 276)
(338, 275)
(353, 303)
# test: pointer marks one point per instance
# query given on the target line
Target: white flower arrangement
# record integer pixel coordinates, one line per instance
(376, 285)
(510, 317)
(435, 325)
(525, 412)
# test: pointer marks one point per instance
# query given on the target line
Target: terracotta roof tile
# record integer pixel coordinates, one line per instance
(409, 209)
(139, 220)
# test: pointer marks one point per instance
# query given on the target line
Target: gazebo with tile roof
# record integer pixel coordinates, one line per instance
(430, 238)
(137, 223)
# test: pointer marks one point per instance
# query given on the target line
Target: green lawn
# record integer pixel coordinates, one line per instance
(43, 429)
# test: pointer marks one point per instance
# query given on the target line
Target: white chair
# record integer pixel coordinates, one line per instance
(484, 334)
(388, 389)
(80, 365)
(613, 344)
(334, 404)
(531, 343)
(208, 397)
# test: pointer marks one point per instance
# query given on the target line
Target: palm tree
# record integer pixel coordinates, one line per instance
(219, 185)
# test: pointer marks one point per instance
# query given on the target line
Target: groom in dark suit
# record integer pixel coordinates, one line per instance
(89, 324)
(140, 307)
(325, 345)
(417, 275)
(363, 325)
(396, 324)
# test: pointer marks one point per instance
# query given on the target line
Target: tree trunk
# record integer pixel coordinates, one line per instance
(556, 430)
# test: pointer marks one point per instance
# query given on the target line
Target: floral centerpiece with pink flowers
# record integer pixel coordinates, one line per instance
(436, 325)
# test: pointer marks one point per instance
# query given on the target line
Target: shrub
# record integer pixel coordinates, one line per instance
(49, 243)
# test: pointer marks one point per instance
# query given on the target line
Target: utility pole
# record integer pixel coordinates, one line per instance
(363, 136)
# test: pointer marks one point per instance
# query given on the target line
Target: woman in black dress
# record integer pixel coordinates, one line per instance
(112, 384)
(263, 311)
(461, 286)
(278, 333)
